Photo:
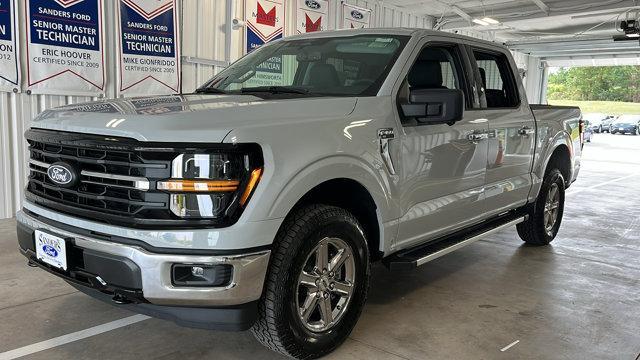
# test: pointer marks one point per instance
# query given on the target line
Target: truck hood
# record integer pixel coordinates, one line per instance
(187, 118)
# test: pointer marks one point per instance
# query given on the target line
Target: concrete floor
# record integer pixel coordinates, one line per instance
(577, 299)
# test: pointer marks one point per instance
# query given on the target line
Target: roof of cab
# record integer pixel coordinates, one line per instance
(387, 31)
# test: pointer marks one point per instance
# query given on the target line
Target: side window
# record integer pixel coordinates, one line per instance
(436, 68)
(497, 80)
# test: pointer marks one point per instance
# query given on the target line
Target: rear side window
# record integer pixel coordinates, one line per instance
(497, 80)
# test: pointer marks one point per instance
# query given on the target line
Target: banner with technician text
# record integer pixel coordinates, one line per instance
(9, 74)
(354, 17)
(149, 59)
(312, 15)
(65, 48)
(265, 22)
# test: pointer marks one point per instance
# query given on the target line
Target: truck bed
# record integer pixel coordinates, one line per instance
(568, 114)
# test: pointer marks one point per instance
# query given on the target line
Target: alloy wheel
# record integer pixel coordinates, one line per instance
(325, 285)
(551, 208)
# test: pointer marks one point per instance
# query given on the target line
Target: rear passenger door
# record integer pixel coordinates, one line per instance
(511, 140)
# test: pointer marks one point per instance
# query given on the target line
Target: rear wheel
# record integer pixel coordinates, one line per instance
(545, 215)
(317, 283)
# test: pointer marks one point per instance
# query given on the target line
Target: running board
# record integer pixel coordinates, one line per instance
(422, 254)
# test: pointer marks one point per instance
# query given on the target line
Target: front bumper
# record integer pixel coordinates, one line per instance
(142, 277)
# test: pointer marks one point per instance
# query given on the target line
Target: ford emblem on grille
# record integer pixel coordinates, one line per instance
(62, 174)
(312, 4)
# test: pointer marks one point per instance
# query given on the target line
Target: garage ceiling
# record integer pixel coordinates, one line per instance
(560, 32)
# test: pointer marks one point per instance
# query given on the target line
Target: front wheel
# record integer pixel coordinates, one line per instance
(317, 283)
(545, 215)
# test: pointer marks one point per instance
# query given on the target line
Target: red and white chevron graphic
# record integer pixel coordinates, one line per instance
(149, 9)
(66, 3)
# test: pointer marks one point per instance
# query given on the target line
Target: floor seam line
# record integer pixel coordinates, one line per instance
(38, 300)
(380, 349)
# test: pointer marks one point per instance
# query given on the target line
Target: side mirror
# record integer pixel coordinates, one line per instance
(434, 106)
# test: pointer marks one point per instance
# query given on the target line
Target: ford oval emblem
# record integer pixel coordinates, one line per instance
(312, 4)
(357, 15)
(61, 174)
(50, 250)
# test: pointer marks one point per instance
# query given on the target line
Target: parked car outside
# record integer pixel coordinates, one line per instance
(606, 124)
(588, 131)
(626, 124)
(598, 122)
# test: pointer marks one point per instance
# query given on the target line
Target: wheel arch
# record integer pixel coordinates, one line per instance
(560, 158)
(345, 183)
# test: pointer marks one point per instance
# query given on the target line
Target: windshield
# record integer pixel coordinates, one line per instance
(337, 66)
(628, 119)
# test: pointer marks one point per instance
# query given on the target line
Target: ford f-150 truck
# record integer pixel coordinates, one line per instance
(260, 201)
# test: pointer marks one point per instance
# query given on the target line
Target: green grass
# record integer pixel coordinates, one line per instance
(604, 107)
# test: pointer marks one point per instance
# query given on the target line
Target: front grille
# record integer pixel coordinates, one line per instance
(115, 177)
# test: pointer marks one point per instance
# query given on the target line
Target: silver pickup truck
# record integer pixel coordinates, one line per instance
(261, 201)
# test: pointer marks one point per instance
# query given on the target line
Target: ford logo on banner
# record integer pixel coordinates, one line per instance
(61, 174)
(312, 4)
(357, 15)
(50, 250)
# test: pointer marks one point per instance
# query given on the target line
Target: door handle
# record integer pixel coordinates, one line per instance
(525, 130)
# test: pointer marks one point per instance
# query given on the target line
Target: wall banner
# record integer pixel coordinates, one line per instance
(9, 74)
(312, 15)
(354, 17)
(149, 59)
(65, 48)
(265, 22)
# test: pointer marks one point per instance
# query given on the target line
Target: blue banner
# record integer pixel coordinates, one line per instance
(76, 26)
(254, 41)
(155, 37)
(6, 28)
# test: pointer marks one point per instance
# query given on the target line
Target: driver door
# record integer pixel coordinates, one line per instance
(443, 166)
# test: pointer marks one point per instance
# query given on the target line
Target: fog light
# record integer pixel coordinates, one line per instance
(201, 275)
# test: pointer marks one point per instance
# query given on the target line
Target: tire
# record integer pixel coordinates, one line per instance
(536, 230)
(280, 326)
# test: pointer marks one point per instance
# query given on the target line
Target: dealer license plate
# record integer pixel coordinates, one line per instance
(51, 249)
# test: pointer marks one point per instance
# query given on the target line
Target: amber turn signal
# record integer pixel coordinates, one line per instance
(253, 181)
(178, 185)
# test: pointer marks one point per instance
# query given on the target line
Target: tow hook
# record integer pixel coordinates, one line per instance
(120, 300)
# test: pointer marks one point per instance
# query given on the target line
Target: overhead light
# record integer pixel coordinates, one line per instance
(480, 22)
(491, 21)
(632, 35)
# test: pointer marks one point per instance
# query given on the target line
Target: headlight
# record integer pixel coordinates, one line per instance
(211, 186)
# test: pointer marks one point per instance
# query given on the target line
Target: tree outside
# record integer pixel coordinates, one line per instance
(606, 89)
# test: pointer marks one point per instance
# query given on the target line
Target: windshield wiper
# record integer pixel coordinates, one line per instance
(210, 90)
(275, 90)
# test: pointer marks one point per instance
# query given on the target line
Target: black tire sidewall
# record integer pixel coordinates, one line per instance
(319, 342)
(554, 176)
(339, 224)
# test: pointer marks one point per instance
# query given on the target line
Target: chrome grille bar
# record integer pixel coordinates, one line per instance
(138, 183)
